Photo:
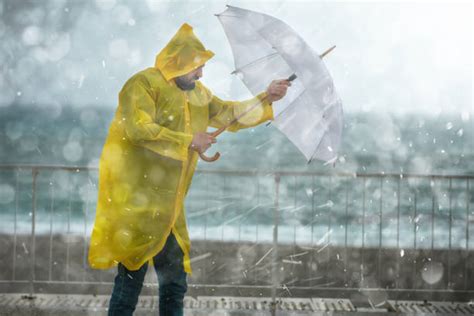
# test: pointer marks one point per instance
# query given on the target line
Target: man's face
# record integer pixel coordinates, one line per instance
(187, 81)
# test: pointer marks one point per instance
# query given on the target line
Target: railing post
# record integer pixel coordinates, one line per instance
(379, 263)
(397, 276)
(33, 237)
(17, 198)
(276, 219)
(450, 193)
(468, 198)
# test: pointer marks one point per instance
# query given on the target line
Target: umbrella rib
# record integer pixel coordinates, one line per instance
(289, 106)
(325, 109)
(232, 16)
(299, 95)
(316, 149)
(254, 62)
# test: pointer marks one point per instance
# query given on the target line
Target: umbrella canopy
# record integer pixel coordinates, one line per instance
(265, 48)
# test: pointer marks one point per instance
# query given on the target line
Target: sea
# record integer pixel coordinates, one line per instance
(401, 181)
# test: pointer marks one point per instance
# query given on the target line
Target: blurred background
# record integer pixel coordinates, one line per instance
(403, 71)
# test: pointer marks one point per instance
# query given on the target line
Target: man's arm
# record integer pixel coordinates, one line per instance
(221, 113)
(137, 106)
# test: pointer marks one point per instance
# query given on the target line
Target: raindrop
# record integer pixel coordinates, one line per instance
(24, 248)
(418, 217)
(32, 35)
(14, 130)
(81, 81)
(89, 118)
(432, 272)
(449, 125)
(7, 193)
(123, 238)
(329, 203)
(58, 47)
(465, 116)
(72, 151)
(197, 60)
(402, 253)
(460, 132)
(135, 57)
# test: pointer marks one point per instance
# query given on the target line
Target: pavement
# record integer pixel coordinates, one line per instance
(18, 304)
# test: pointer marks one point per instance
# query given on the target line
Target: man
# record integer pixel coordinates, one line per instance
(147, 165)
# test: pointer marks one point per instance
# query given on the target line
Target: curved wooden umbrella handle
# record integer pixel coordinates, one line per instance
(216, 155)
(210, 159)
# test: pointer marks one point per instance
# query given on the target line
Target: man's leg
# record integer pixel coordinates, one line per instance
(171, 278)
(127, 287)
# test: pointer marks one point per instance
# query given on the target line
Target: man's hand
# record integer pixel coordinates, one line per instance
(202, 141)
(277, 89)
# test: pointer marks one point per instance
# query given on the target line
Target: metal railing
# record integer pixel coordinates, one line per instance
(285, 233)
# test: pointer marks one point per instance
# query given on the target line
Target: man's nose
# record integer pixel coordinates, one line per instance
(199, 73)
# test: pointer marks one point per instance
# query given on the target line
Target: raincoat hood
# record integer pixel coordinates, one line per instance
(182, 54)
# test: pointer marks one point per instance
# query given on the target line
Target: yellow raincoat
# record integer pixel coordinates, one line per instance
(146, 167)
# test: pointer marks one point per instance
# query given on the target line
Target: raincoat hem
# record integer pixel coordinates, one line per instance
(148, 258)
(186, 259)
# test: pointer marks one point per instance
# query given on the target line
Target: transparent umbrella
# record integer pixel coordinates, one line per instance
(265, 48)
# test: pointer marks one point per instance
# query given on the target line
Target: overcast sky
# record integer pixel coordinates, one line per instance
(400, 57)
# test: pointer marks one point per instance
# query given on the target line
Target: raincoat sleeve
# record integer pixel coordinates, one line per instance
(137, 105)
(222, 112)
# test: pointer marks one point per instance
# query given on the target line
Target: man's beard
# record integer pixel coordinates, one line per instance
(184, 84)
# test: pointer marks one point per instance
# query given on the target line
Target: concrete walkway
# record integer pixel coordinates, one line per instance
(72, 305)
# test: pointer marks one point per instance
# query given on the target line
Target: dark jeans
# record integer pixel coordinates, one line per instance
(171, 280)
